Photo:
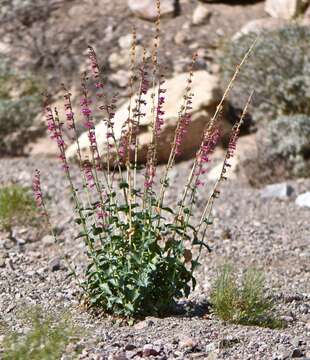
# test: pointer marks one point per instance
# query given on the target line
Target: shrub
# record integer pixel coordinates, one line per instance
(19, 104)
(246, 304)
(46, 338)
(17, 207)
(283, 151)
(138, 262)
(279, 68)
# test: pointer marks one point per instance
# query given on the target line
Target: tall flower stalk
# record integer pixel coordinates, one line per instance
(205, 220)
(184, 119)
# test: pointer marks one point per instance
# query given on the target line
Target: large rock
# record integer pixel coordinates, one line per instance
(303, 200)
(146, 9)
(285, 9)
(206, 97)
(282, 151)
(278, 191)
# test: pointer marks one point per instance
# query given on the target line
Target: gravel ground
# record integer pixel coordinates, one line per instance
(271, 234)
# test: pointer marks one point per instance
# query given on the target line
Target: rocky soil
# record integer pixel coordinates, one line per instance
(70, 26)
(251, 226)
(249, 229)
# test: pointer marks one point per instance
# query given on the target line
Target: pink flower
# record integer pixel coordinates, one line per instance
(149, 176)
(86, 111)
(55, 129)
(94, 66)
(101, 215)
(90, 125)
(37, 192)
(90, 181)
(159, 111)
(204, 152)
(123, 145)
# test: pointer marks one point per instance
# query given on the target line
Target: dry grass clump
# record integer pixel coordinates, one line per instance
(245, 304)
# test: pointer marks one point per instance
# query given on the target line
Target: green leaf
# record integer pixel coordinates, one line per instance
(129, 307)
(97, 230)
(105, 288)
(81, 234)
(208, 222)
(123, 185)
(168, 209)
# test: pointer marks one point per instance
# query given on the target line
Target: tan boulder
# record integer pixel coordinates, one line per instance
(146, 9)
(206, 97)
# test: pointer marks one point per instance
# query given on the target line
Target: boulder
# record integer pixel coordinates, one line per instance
(282, 151)
(285, 9)
(303, 200)
(146, 9)
(278, 191)
(206, 97)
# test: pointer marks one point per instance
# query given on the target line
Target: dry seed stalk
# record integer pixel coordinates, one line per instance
(210, 127)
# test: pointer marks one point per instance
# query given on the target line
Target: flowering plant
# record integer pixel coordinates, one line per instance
(138, 262)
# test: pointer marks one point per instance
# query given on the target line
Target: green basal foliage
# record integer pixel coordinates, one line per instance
(141, 271)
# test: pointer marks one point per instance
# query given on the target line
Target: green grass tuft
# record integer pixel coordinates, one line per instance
(46, 339)
(17, 206)
(246, 304)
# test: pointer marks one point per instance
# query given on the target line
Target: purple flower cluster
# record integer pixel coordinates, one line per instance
(123, 145)
(110, 110)
(86, 111)
(159, 111)
(93, 62)
(149, 175)
(55, 129)
(203, 155)
(88, 172)
(144, 81)
(233, 143)
(101, 215)
(90, 126)
(95, 72)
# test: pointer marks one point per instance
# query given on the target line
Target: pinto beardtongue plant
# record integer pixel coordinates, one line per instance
(138, 263)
